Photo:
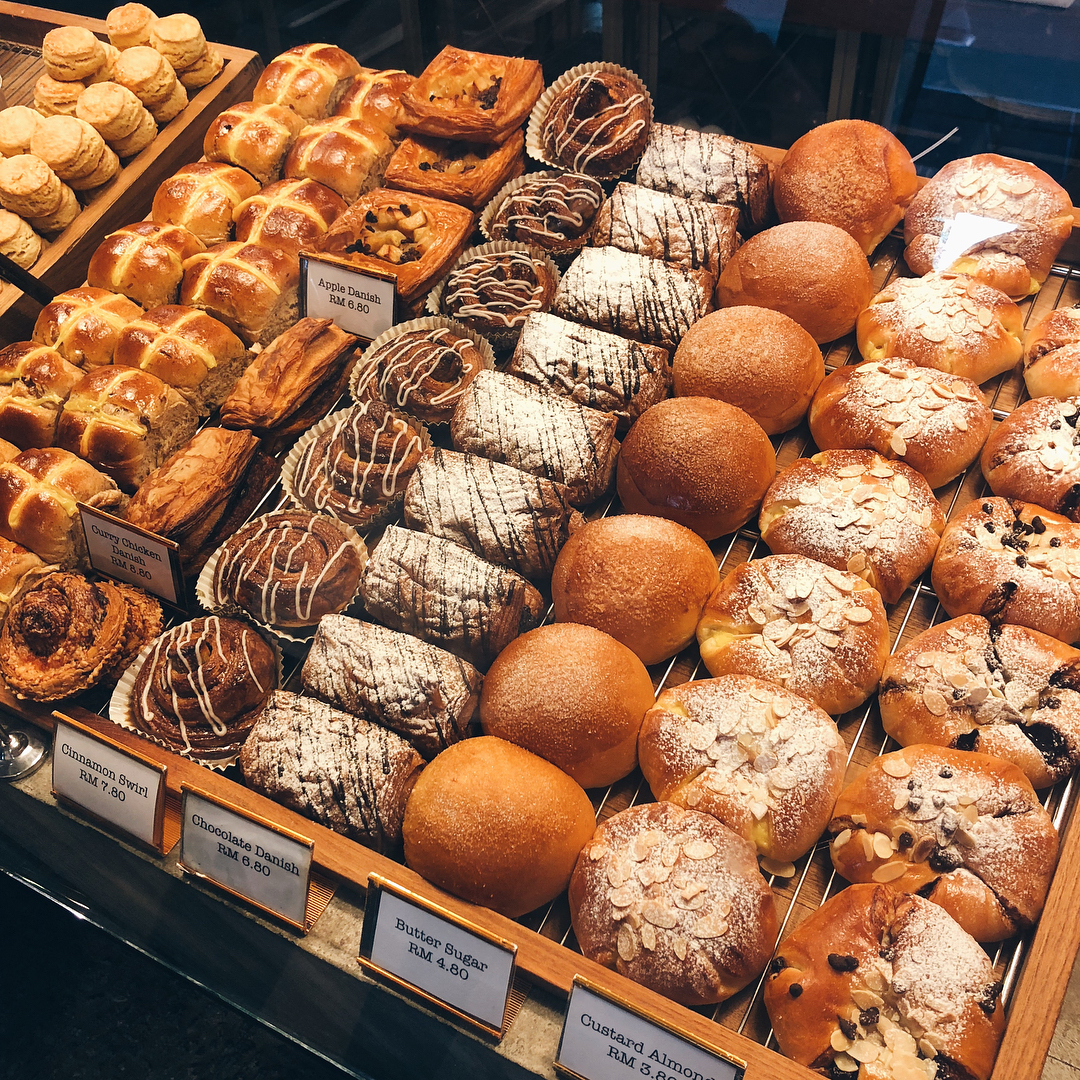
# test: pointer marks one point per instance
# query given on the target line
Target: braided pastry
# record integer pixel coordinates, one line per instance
(597, 124)
(424, 372)
(202, 686)
(288, 569)
(357, 468)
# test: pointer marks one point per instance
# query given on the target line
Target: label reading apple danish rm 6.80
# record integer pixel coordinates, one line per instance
(360, 303)
(604, 1039)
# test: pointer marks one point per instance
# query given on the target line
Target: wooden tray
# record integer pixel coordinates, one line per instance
(1035, 967)
(126, 198)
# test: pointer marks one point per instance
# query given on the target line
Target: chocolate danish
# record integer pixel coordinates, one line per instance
(598, 124)
(423, 371)
(288, 569)
(357, 468)
(556, 213)
(202, 686)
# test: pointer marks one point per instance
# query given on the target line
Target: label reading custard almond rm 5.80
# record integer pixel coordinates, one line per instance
(434, 953)
(604, 1038)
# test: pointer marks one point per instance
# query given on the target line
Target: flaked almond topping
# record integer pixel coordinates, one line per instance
(863, 1051)
(648, 937)
(619, 873)
(843, 837)
(781, 706)
(699, 849)
(935, 702)
(900, 801)
(701, 736)
(857, 562)
(678, 943)
(626, 943)
(712, 925)
(923, 846)
(867, 999)
(868, 844)
(597, 852)
(624, 896)
(643, 843)
(758, 809)
(895, 766)
(839, 1040)
(659, 914)
(889, 872)
(839, 580)
(845, 1063)
(925, 660)
(777, 869)
(928, 1049)
(883, 847)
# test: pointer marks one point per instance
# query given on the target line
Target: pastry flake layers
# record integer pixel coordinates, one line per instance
(1003, 690)
(591, 367)
(633, 295)
(425, 694)
(765, 762)
(963, 830)
(509, 517)
(506, 420)
(674, 900)
(340, 770)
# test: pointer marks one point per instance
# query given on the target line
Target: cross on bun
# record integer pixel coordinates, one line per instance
(203, 197)
(83, 325)
(144, 261)
(290, 215)
(310, 79)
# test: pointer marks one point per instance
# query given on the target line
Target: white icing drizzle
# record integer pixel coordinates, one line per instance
(498, 288)
(606, 117)
(399, 355)
(543, 207)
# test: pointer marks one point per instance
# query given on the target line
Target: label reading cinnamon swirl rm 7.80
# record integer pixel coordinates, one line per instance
(604, 1038)
(360, 303)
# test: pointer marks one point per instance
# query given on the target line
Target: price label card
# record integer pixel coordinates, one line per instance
(133, 555)
(108, 782)
(434, 953)
(605, 1039)
(254, 860)
(360, 303)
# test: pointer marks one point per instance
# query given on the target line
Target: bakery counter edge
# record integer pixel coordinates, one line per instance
(547, 968)
(128, 197)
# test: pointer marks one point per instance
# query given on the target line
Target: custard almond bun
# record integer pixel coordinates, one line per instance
(701, 462)
(760, 360)
(643, 580)
(496, 825)
(818, 632)
(767, 763)
(572, 694)
(1052, 354)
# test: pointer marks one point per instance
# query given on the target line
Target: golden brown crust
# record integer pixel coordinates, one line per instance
(1037, 210)
(701, 462)
(465, 173)
(934, 422)
(83, 325)
(876, 961)
(1002, 690)
(348, 156)
(124, 421)
(764, 761)
(818, 632)
(853, 510)
(758, 359)
(253, 137)
(496, 825)
(38, 493)
(850, 173)
(1011, 562)
(286, 374)
(813, 272)
(573, 695)
(16, 562)
(252, 289)
(202, 197)
(961, 829)
(35, 381)
(375, 96)
(1052, 354)
(643, 580)
(673, 900)
(415, 237)
(309, 79)
(1031, 455)
(975, 333)
(472, 96)
(290, 215)
(144, 261)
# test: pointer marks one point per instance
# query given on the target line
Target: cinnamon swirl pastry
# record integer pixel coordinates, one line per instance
(62, 635)
(288, 569)
(556, 213)
(202, 686)
(424, 371)
(598, 124)
(495, 293)
(357, 468)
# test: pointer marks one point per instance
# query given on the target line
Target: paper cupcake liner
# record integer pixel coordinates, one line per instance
(427, 322)
(387, 511)
(534, 145)
(501, 338)
(563, 255)
(292, 635)
(122, 713)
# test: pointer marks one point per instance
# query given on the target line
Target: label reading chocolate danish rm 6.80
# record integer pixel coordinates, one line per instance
(604, 1039)
(257, 862)
(360, 303)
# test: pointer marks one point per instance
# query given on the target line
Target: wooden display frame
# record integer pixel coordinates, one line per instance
(126, 198)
